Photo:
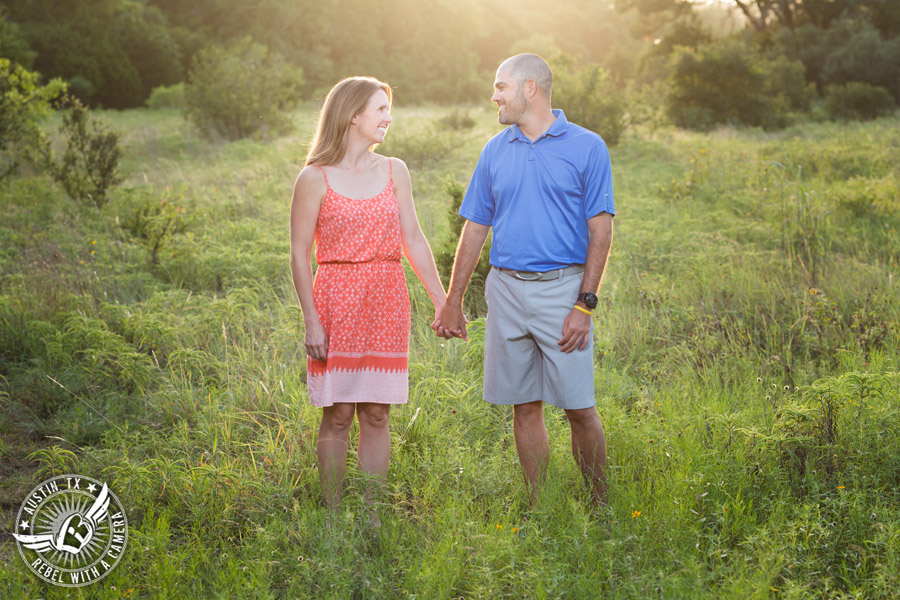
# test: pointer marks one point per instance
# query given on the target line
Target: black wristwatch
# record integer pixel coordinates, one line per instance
(589, 299)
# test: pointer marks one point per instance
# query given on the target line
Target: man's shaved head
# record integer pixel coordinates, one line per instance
(523, 67)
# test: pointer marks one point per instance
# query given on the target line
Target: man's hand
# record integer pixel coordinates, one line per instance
(576, 331)
(451, 322)
(316, 341)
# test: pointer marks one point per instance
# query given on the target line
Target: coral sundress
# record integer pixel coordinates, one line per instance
(361, 297)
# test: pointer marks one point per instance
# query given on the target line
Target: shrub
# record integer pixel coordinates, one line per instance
(23, 104)
(589, 99)
(647, 105)
(457, 120)
(422, 148)
(447, 252)
(90, 164)
(152, 218)
(834, 429)
(730, 83)
(856, 100)
(86, 351)
(235, 92)
(167, 96)
(81, 88)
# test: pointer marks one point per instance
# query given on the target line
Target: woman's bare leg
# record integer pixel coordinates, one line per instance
(331, 448)
(374, 438)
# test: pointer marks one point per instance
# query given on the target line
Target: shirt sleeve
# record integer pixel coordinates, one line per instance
(598, 183)
(478, 203)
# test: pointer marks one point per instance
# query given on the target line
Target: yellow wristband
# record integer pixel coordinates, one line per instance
(584, 310)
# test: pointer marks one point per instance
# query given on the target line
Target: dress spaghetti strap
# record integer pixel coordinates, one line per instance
(324, 175)
(390, 171)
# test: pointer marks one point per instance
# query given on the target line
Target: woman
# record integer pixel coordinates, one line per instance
(358, 207)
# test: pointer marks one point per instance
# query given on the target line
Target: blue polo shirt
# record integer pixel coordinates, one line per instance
(538, 195)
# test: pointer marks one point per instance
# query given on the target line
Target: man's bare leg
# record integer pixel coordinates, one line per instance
(532, 445)
(589, 449)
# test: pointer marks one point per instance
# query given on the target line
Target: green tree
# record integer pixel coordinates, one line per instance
(866, 57)
(113, 52)
(807, 43)
(146, 38)
(13, 44)
(655, 14)
(762, 14)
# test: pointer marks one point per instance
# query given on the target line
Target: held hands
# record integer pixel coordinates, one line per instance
(316, 341)
(449, 321)
(576, 331)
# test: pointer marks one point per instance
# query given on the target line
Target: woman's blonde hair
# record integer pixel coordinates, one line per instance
(346, 99)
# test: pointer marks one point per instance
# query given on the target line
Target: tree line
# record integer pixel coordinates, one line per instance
(114, 52)
(755, 62)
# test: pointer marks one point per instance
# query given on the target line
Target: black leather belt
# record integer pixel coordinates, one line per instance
(542, 275)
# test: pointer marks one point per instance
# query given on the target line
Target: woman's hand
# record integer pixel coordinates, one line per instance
(450, 322)
(316, 341)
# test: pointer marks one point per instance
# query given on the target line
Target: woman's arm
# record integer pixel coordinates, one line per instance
(415, 246)
(309, 190)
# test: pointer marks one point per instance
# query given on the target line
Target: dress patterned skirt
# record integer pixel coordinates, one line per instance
(364, 309)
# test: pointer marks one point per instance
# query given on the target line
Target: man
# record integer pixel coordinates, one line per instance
(545, 186)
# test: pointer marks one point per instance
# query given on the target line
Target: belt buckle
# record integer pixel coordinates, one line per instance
(534, 276)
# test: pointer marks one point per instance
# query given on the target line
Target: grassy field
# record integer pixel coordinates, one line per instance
(747, 376)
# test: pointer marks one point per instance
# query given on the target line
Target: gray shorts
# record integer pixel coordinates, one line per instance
(522, 361)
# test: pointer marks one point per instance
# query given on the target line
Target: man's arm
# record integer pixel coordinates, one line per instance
(577, 326)
(451, 321)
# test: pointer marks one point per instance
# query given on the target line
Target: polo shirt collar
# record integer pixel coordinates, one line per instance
(559, 127)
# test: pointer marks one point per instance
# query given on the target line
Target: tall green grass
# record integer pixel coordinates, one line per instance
(750, 401)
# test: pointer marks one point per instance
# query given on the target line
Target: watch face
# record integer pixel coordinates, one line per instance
(589, 299)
